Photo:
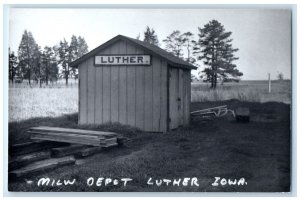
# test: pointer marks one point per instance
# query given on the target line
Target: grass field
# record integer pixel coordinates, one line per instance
(252, 91)
(25, 103)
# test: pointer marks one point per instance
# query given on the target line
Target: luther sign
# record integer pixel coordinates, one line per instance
(123, 60)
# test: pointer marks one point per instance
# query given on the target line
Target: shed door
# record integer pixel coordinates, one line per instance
(176, 88)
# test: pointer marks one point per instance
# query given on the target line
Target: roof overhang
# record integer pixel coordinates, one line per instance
(123, 38)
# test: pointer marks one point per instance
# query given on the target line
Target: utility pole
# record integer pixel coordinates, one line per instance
(269, 75)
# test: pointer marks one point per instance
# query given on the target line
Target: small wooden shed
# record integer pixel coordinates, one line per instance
(134, 83)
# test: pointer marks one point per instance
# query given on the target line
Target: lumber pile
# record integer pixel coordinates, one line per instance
(53, 147)
(76, 136)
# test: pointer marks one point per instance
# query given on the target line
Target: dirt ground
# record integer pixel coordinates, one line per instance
(258, 151)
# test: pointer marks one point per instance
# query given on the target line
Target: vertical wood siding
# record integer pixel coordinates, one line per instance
(106, 111)
(163, 80)
(133, 95)
(179, 97)
(122, 88)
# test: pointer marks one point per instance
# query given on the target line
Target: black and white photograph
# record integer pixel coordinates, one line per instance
(149, 99)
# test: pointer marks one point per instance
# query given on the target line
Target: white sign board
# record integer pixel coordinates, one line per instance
(123, 60)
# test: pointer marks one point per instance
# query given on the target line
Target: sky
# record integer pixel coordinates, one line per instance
(263, 36)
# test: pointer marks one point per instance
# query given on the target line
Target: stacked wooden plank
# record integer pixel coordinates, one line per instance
(53, 147)
(76, 136)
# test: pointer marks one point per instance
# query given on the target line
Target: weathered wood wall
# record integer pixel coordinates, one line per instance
(132, 95)
(179, 97)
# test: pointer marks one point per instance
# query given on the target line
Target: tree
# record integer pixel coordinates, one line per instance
(26, 53)
(73, 52)
(174, 43)
(187, 39)
(82, 47)
(63, 51)
(13, 66)
(49, 65)
(150, 36)
(36, 67)
(215, 50)
(78, 48)
(67, 53)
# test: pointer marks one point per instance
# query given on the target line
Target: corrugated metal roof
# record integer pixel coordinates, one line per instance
(155, 50)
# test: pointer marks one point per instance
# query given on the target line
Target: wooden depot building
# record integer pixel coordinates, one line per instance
(135, 83)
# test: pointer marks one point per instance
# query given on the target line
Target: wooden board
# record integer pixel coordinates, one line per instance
(70, 138)
(140, 94)
(65, 151)
(87, 152)
(72, 131)
(114, 83)
(110, 145)
(106, 90)
(180, 97)
(26, 159)
(156, 94)
(99, 96)
(186, 100)
(131, 89)
(29, 147)
(91, 88)
(148, 93)
(173, 96)
(189, 95)
(42, 166)
(83, 87)
(114, 93)
(108, 141)
(163, 97)
(122, 87)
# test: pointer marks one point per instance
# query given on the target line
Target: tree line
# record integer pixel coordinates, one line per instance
(212, 50)
(44, 65)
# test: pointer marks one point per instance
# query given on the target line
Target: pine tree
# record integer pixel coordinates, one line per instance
(82, 47)
(63, 52)
(214, 48)
(174, 43)
(78, 47)
(73, 53)
(37, 73)
(67, 53)
(26, 53)
(13, 66)
(49, 65)
(187, 39)
(150, 36)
